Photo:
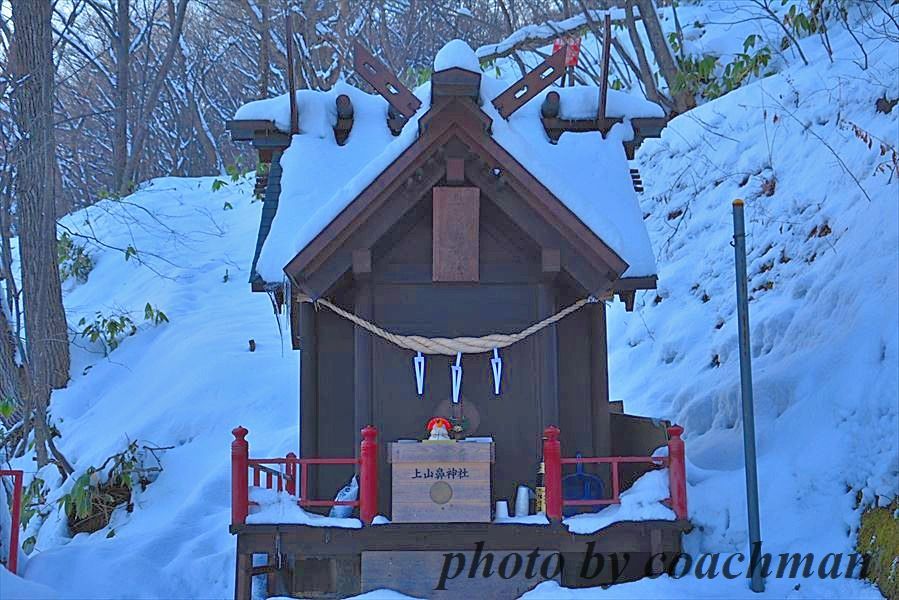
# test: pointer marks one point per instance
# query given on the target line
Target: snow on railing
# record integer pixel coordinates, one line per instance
(553, 461)
(281, 475)
(15, 513)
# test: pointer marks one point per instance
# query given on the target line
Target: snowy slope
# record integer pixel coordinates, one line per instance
(184, 384)
(825, 345)
(824, 270)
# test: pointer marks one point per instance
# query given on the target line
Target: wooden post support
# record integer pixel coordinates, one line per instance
(677, 472)
(604, 78)
(290, 469)
(368, 475)
(240, 455)
(309, 424)
(552, 460)
(243, 576)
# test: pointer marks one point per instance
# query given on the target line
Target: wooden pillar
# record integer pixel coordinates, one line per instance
(548, 340)
(243, 576)
(309, 389)
(362, 361)
(599, 380)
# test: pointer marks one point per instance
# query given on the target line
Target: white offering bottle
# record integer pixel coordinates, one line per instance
(522, 501)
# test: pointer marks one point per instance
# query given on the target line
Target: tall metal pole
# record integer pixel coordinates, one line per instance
(757, 584)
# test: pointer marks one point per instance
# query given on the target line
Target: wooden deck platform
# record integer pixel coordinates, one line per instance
(330, 562)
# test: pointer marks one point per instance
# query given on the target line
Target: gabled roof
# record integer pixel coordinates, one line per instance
(587, 175)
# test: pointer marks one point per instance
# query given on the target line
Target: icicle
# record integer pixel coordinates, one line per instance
(496, 363)
(419, 363)
(456, 371)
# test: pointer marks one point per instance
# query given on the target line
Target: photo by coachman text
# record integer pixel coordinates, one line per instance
(548, 564)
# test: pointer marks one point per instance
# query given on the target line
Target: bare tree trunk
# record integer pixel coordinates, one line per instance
(10, 378)
(265, 48)
(47, 343)
(122, 45)
(646, 74)
(10, 375)
(142, 126)
(683, 99)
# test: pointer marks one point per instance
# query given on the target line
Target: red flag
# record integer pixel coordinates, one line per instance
(572, 48)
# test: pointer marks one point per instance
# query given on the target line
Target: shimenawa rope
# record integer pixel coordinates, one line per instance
(451, 346)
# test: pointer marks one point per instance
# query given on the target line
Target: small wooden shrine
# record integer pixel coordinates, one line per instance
(449, 253)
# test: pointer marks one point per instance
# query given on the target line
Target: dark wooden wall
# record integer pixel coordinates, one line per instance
(556, 377)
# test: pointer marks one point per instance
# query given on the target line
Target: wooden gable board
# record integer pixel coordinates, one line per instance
(456, 220)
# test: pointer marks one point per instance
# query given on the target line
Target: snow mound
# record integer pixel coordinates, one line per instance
(281, 507)
(16, 588)
(456, 53)
(641, 502)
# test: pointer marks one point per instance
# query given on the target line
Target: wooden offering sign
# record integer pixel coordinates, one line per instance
(441, 482)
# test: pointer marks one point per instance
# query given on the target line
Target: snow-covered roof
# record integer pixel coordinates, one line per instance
(587, 173)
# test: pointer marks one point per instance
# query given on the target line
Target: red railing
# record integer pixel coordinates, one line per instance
(15, 514)
(283, 477)
(553, 461)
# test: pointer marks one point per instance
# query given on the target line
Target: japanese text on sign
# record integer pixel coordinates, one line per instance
(440, 473)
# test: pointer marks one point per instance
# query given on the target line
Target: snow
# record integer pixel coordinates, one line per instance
(824, 336)
(641, 502)
(582, 102)
(16, 588)
(321, 178)
(545, 31)
(665, 587)
(824, 341)
(588, 174)
(456, 53)
(184, 384)
(281, 507)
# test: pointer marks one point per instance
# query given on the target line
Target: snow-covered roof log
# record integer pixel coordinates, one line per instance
(585, 172)
(344, 124)
(555, 124)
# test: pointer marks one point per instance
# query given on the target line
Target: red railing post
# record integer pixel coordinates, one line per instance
(290, 470)
(677, 472)
(368, 475)
(240, 455)
(552, 462)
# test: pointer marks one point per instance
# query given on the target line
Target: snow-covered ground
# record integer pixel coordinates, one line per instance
(824, 270)
(185, 384)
